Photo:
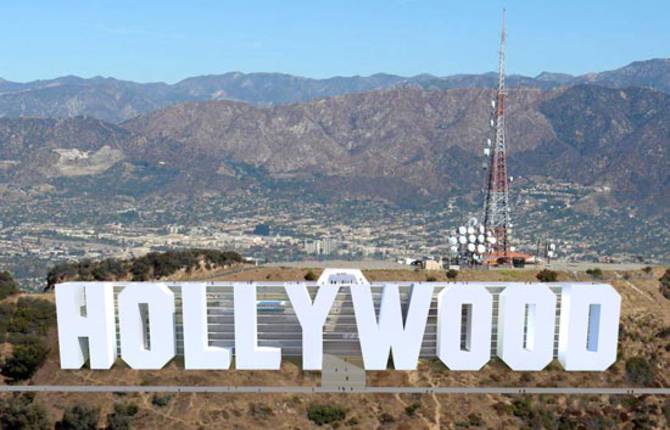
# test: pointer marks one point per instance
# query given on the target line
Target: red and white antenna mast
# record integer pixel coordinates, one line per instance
(497, 210)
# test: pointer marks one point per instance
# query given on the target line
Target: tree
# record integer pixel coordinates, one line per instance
(639, 371)
(665, 284)
(595, 273)
(79, 418)
(26, 358)
(452, 274)
(547, 275)
(325, 414)
(21, 413)
(7, 285)
(310, 276)
(121, 417)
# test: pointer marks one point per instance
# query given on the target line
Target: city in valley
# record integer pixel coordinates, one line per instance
(268, 227)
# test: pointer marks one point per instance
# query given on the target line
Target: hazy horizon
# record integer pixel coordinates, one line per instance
(169, 41)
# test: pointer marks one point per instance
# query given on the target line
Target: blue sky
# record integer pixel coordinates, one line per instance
(146, 40)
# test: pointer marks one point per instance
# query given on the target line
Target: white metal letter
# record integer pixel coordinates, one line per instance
(86, 328)
(198, 354)
(378, 339)
(464, 344)
(589, 329)
(526, 326)
(248, 355)
(312, 317)
(140, 304)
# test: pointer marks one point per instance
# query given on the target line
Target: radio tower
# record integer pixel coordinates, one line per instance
(496, 210)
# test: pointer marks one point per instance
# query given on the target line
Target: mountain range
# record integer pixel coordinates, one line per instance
(115, 101)
(401, 144)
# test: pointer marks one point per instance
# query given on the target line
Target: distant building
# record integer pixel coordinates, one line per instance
(262, 230)
(325, 246)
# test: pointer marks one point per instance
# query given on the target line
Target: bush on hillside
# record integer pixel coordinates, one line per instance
(26, 358)
(547, 275)
(7, 285)
(79, 418)
(121, 417)
(665, 284)
(595, 273)
(21, 412)
(311, 276)
(154, 265)
(32, 317)
(452, 274)
(639, 371)
(6, 313)
(325, 414)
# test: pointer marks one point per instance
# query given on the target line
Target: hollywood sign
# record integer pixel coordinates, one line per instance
(526, 325)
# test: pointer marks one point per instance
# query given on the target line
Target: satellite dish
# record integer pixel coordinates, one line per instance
(492, 240)
(473, 221)
(471, 230)
(481, 249)
(487, 151)
(453, 240)
(512, 248)
(472, 238)
(471, 247)
(481, 238)
(550, 254)
(493, 103)
(481, 229)
(552, 247)
(454, 249)
(462, 240)
(488, 142)
(462, 230)
(493, 124)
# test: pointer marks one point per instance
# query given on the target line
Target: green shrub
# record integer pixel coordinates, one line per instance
(32, 317)
(26, 358)
(411, 409)
(6, 313)
(666, 411)
(595, 273)
(386, 418)
(161, 400)
(311, 276)
(79, 418)
(325, 414)
(120, 418)
(431, 279)
(7, 285)
(452, 274)
(547, 275)
(154, 265)
(21, 413)
(665, 284)
(639, 371)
